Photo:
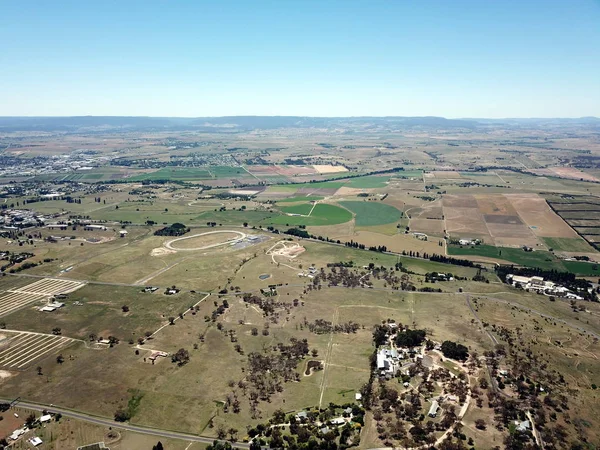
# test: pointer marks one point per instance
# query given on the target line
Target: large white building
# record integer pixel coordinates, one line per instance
(539, 284)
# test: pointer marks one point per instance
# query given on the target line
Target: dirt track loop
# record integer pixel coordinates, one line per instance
(169, 244)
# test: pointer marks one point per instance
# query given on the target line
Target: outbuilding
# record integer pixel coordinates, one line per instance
(434, 409)
(35, 441)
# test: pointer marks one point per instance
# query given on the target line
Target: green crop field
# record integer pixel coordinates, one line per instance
(324, 184)
(234, 217)
(408, 174)
(367, 182)
(322, 214)
(539, 258)
(372, 213)
(582, 268)
(301, 198)
(189, 173)
(568, 244)
(228, 171)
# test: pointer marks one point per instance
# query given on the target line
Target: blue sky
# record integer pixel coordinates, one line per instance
(452, 58)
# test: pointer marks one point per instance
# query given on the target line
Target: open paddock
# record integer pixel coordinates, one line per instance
(460, 201)
(495, 205)
(433, 210)
(509, 219)
(372, 213)
(308, 189)
(445, 174)
(536, 213)
(466, 222)
(573, 173)
(433, 227)
(568, 244)
(512, 235)
(328, 168)
(292, 171)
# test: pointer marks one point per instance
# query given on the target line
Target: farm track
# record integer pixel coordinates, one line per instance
(326, 363)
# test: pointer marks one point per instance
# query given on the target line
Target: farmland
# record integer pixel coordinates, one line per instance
(346, 364)
(372, 213)
(174, 174)
(321, 214)
(213, 331)
(538, 258)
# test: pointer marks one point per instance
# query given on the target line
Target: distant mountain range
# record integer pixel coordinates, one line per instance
(247, 123)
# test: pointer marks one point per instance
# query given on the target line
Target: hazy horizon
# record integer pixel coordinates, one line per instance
(298, 115)
(465, 59)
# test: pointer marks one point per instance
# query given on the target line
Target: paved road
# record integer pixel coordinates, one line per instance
(119, 425)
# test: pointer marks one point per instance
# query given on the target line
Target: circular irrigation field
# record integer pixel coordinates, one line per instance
(203, 241)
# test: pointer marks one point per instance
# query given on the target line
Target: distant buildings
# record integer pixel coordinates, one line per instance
(467, 241)
(52, 306)
(540, 285)
(95, 228)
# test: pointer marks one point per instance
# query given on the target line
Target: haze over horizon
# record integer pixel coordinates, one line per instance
(464, 59)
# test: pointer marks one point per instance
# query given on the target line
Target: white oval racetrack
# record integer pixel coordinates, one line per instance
(169, 244)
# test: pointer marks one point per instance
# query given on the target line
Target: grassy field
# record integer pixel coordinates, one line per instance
(364, 182)
(307, 198)
(178, 174)
(372, 213)
(227, 171)
(322, 214)
(538, 258)
(235, 217)
(336, 253)
(368, 182)
(409, 174)
(177, 398)
(165, 213)
(174, 397)
(582, 268)
(101, 313)
(568, 245)
(69, 433)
